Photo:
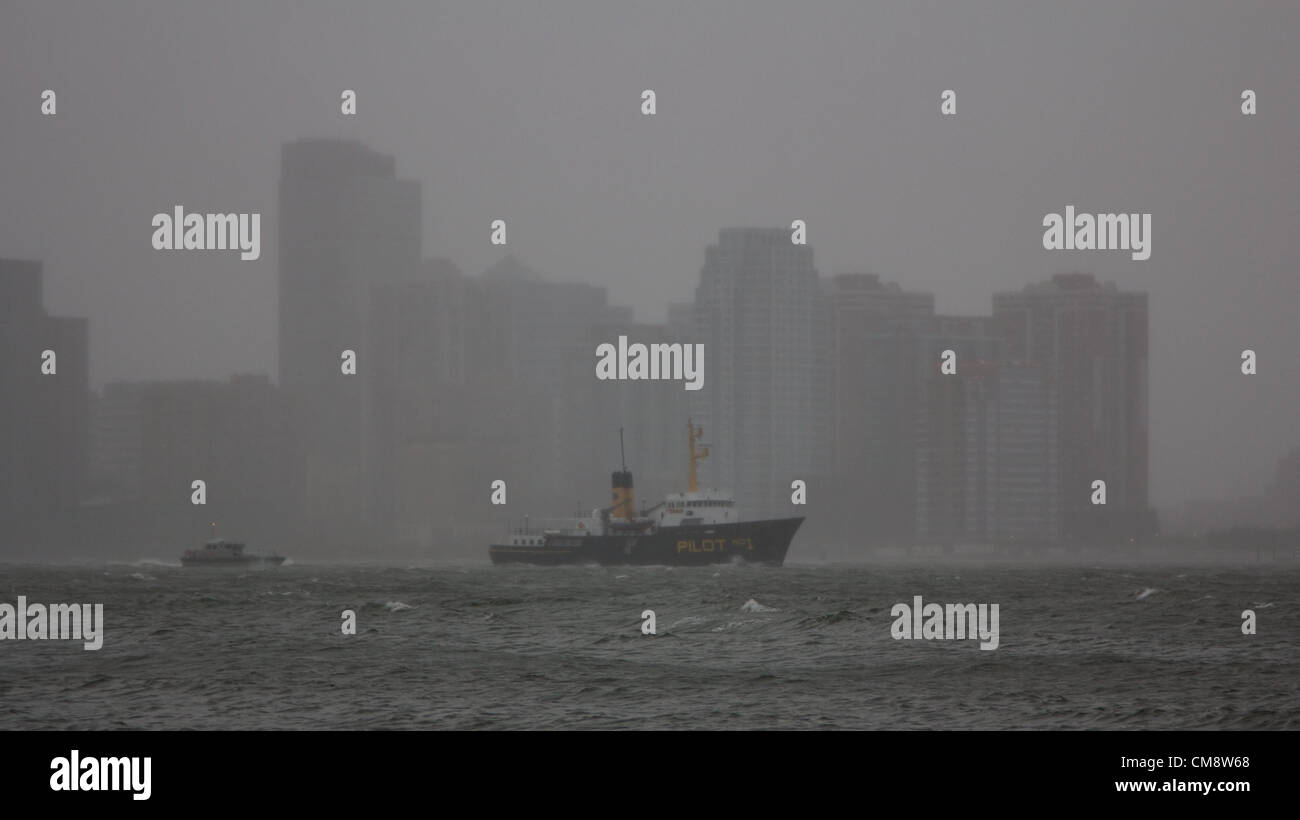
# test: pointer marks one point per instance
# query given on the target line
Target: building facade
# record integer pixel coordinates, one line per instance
(346, 224)
(44, 405)
(765, 405)
(1093, 341)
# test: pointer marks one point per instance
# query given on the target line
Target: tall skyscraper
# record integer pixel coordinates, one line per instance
(911, 423)
(117, 431)
(985, 455)
(763, 320)
(44, 406)
(872, 406)
(1092, 338)
(1027, 501)
(438, 394)
(346, 223)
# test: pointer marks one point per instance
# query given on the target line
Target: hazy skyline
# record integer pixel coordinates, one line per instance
(828, 113)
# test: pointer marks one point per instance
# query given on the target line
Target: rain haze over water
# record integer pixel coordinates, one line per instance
(981, 308)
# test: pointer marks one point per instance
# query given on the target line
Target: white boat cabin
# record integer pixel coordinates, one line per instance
(700, 507)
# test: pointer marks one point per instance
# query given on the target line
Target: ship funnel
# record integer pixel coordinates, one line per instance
(624, 498)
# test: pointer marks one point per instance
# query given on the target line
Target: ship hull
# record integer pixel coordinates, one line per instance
(761, 542)
(243, 561)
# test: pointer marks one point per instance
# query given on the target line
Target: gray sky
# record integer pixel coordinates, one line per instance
(767, 112)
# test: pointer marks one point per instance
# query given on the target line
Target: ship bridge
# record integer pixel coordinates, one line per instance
(697, 507)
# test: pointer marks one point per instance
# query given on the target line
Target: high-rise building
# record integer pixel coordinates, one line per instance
(1027, 503)
(44, 405)
(1092, 339)
(438, 394)
(476, 379)
(230, 434)
(763, 320)
(985, 449)
(870, 418)
(346, 223)
(116, 441)
(562, 446)
(233, 435)
(911, 420)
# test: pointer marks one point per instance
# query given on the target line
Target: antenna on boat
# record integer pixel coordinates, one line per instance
(622, 455)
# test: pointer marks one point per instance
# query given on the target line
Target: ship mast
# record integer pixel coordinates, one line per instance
(693, 433)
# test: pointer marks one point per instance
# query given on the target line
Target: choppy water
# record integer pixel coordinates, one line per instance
(737, 647)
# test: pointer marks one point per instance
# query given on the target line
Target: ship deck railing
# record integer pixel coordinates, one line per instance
(564, 526)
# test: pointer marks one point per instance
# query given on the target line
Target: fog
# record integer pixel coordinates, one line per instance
(828, 112)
